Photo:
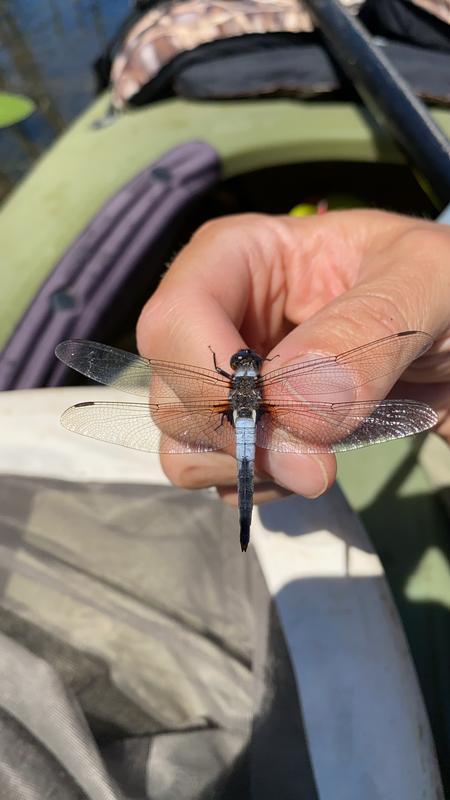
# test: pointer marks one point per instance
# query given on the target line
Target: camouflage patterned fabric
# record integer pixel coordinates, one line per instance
(175, 27)
(170, 29)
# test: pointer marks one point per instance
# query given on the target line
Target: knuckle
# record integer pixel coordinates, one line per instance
(144, 320)
(151, 323)
(228, 496)
(184, 474)
(225, 227)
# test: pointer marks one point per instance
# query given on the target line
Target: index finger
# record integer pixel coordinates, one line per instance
(226, 288)
(225, 291)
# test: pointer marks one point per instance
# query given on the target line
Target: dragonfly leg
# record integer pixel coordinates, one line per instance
(272, 358)
(217, 368)
(224, 415)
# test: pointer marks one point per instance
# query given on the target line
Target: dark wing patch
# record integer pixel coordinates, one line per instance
(162, 380)
(333, 427)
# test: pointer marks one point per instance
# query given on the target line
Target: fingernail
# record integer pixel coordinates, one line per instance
(303, 474)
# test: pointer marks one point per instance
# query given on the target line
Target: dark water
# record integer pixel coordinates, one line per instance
(47, 48)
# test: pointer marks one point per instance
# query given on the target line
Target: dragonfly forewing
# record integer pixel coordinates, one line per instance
(108, 365)
(333, 375)
(130, 373)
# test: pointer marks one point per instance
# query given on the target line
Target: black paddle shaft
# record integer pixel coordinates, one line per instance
(385, 93)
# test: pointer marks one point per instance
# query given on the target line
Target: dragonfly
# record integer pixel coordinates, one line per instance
(299, 408)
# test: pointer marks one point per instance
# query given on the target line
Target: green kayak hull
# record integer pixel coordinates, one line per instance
(86, 166)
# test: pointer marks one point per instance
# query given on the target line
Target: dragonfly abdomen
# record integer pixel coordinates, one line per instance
(245, 455)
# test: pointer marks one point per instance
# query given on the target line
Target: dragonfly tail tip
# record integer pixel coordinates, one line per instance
(244, 537)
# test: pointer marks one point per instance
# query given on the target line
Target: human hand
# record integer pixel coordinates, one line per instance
(288, 287)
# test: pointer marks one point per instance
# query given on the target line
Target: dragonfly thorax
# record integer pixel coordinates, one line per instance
(245, 395)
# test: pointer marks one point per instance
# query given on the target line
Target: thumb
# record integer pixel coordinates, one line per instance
(313, 408)
(357, 346)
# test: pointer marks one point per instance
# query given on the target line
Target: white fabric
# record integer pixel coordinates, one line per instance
(364, 718)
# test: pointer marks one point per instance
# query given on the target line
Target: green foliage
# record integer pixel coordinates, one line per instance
(14, 108)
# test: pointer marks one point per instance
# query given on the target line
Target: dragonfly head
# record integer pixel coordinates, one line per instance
(246, 357)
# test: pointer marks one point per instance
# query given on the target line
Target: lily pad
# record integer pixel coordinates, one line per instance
(14, 108)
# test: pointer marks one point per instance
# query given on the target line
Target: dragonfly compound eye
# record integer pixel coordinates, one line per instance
(245, 356)
(236, 359)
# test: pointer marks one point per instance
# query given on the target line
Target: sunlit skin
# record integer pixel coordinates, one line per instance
(286, 287)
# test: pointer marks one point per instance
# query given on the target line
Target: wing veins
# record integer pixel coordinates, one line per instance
(129, 372)
(324, 365)
(333, 427)
(137, 425)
